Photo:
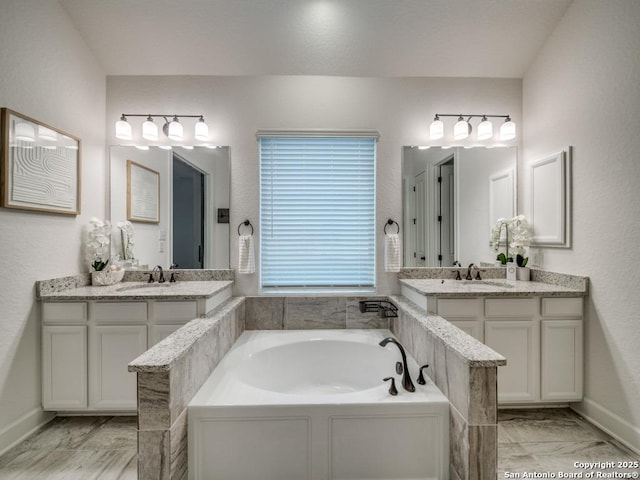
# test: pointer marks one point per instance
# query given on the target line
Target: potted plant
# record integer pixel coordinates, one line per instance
(517, 236)
(99, 254)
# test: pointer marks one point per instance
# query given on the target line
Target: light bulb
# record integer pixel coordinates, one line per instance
(123, 129)
(149, 130)
(461, 129)
(175, 130)
(436, 129)
(485, 129)
(508, 130)
(202, 130)
(25, 132)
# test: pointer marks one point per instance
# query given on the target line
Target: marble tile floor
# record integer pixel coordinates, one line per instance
(76, 448)
(536, 441)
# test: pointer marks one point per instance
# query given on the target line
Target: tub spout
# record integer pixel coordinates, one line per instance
(407, 384)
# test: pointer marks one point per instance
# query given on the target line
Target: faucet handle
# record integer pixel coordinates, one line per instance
(392, 389)
(173, 277)
(421, 379)
(150, 278)
(457, 275)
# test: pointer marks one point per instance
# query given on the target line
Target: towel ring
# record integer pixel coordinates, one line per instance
(246, 223)
(391, 222)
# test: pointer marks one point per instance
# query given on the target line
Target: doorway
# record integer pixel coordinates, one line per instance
(446, 215)
(188, 214)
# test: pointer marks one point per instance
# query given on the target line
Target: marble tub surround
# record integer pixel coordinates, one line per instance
(302, 313)
(465, 370)
(169, 375)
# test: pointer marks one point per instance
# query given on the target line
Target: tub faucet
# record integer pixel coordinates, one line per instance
(407, 384)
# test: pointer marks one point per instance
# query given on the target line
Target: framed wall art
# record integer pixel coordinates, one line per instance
(143, 193)
(39, 166)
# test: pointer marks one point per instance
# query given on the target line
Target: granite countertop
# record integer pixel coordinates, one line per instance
(492, 287)
(181, 290)
(471, 351)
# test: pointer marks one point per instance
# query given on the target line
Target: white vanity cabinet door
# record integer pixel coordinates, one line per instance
(561, 376)
(112, 347)
(64, 367)
(519, 342)
(158, 333)
(466, 314)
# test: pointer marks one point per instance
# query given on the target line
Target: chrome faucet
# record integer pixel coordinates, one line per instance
(407, 384)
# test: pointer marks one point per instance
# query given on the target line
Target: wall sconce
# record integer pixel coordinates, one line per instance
(173, 129)
(462, 129)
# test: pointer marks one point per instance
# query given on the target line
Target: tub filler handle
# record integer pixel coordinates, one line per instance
(421, 379)
(407, 384)
(392, 389)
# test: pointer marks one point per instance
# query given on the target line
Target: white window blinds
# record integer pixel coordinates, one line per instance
(317, 212)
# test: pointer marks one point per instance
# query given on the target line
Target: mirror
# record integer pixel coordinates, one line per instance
(452, 197)
(192, 194)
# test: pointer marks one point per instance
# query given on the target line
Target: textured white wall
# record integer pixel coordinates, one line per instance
(48, 74)
(236, 107)
(583, 91)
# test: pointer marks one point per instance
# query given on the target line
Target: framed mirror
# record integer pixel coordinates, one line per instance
(192, 187)
(451, 199)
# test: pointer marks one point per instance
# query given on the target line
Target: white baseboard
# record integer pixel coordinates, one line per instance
(606, 420)
(23, 427)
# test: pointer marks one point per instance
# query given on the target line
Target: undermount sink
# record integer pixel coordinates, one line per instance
(143, 286)
(492, 283)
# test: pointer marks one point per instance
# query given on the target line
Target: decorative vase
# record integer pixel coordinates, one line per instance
(106, 277)
(523, 274)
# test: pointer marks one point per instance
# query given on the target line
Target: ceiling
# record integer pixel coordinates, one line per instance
(377, 38)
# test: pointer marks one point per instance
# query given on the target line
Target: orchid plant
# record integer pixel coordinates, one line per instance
(126, 237)
(98, 244)
(516, 228)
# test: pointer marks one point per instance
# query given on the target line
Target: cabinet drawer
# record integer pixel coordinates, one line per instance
(562, 307)
(510, 307)
(174, 312)
(110, 312)
(458, 308)
(64, 312)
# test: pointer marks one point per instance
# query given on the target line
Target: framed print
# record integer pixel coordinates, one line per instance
(40, 166)
(143, 193)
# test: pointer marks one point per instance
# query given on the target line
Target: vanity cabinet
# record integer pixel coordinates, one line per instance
(87, 346)
(541, 338)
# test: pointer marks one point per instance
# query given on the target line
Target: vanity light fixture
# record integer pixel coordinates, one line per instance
(462, 128)
(149, 130)
(436, 129)
(173, 129)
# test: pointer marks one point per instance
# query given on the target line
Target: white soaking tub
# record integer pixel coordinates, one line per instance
(312, 405)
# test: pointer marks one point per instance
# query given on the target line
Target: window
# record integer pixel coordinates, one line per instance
(317, 212)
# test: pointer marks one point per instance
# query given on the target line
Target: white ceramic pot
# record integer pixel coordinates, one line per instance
(523, 274)
(106, 277)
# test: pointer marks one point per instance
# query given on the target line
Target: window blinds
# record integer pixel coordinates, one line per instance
(317, 212)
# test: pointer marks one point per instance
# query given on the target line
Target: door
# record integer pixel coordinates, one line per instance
(111, 385)
(188, 215)
(420, 220)
(446, 216)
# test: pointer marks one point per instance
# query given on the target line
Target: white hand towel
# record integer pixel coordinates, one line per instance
(246, 257)
(392, 252)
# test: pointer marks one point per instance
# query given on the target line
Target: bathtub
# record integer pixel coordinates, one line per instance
(311, 405)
